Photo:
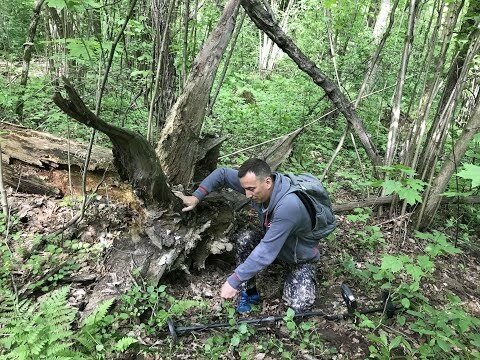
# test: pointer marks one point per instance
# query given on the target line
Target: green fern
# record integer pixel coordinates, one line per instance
(37, 331)
(124, 343)
(90, 335)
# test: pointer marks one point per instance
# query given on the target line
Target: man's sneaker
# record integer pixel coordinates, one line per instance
(246, 301)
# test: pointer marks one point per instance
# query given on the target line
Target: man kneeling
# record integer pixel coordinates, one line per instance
(286, 234)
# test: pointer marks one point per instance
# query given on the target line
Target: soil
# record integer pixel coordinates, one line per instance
(106, 220)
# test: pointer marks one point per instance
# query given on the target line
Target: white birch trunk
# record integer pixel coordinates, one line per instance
(269, 52)
(381, 22)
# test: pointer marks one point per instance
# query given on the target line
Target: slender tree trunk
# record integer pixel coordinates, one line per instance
(395, 116)
(186, 16)
(452, 90)
(263, 20)
(374, 60)
(433, 86)
(439, 185)
(156, 100)
(179, 141)
(27, 56)
(3, 193)
(270, 53)
(213, 98)
(381, 22)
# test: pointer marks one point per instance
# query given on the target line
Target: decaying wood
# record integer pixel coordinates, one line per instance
(134, 157)
(280, 150)
(165, 241)
(179, 141)
(49, 151)
(38, 162)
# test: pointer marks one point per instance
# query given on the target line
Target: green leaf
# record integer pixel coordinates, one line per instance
(306, 326)
(291, 325)
(411, 196)
(425, 263)
(124, 343)
(235, 341)
(401, 320)
(92, 3)
(443, 344)
(415, 271)
(243, 329)
(290, 313)
(395, 342)
(471, 172)
(405, 302)
(392, 186)
(392, 263)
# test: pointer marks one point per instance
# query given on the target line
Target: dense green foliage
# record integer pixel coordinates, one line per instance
(254, 107)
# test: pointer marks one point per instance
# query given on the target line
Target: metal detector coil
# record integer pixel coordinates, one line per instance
(348, 298)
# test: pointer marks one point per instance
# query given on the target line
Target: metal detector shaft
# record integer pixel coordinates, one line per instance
(347, 295)
(258, 321)
(180, 330)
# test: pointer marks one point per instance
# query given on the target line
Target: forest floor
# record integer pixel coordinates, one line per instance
(319, 339)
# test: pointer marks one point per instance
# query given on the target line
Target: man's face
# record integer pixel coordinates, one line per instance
(257, 189)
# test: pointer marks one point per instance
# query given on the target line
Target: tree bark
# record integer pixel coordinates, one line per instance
(180, 138)
(432, 202)
(395, 115)
(435, 137)
(213, 98)
(134, 157)
(269, 53)
(381, 21)
(264, 21)
(156, 100)
(27, 56)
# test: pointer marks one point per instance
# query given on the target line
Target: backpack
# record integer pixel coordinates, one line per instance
(315, 198)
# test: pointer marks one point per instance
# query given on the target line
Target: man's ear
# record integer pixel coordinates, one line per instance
(269, 181)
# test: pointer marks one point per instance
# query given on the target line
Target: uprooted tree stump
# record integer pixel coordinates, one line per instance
(161, 239)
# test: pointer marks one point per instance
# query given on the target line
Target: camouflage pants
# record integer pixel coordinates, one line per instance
(300, 281)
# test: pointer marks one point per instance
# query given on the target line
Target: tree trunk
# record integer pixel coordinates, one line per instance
(269, 52)
(27, 56)
(179, 140)
(264, 21)
(213, 98)
(435, 138)
(381, 21)
(395, 116)
(369, 75)
(432, 202)
(134, 157)
(156, 97)
(429, 89)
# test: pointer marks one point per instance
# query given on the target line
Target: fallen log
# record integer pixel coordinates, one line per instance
(38, 163)
(385, 200)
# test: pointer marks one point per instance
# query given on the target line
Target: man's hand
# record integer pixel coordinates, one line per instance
(228, 292)
(190, 201)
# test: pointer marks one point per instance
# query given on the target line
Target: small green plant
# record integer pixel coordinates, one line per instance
(446, 331)
(400, 180)
(384, 347)
(152, 306)
(367, 235)
(43, 330)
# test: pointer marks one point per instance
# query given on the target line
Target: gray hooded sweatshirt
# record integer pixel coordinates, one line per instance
(286, 224)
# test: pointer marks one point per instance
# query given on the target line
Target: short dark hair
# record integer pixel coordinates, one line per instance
(257, 166)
